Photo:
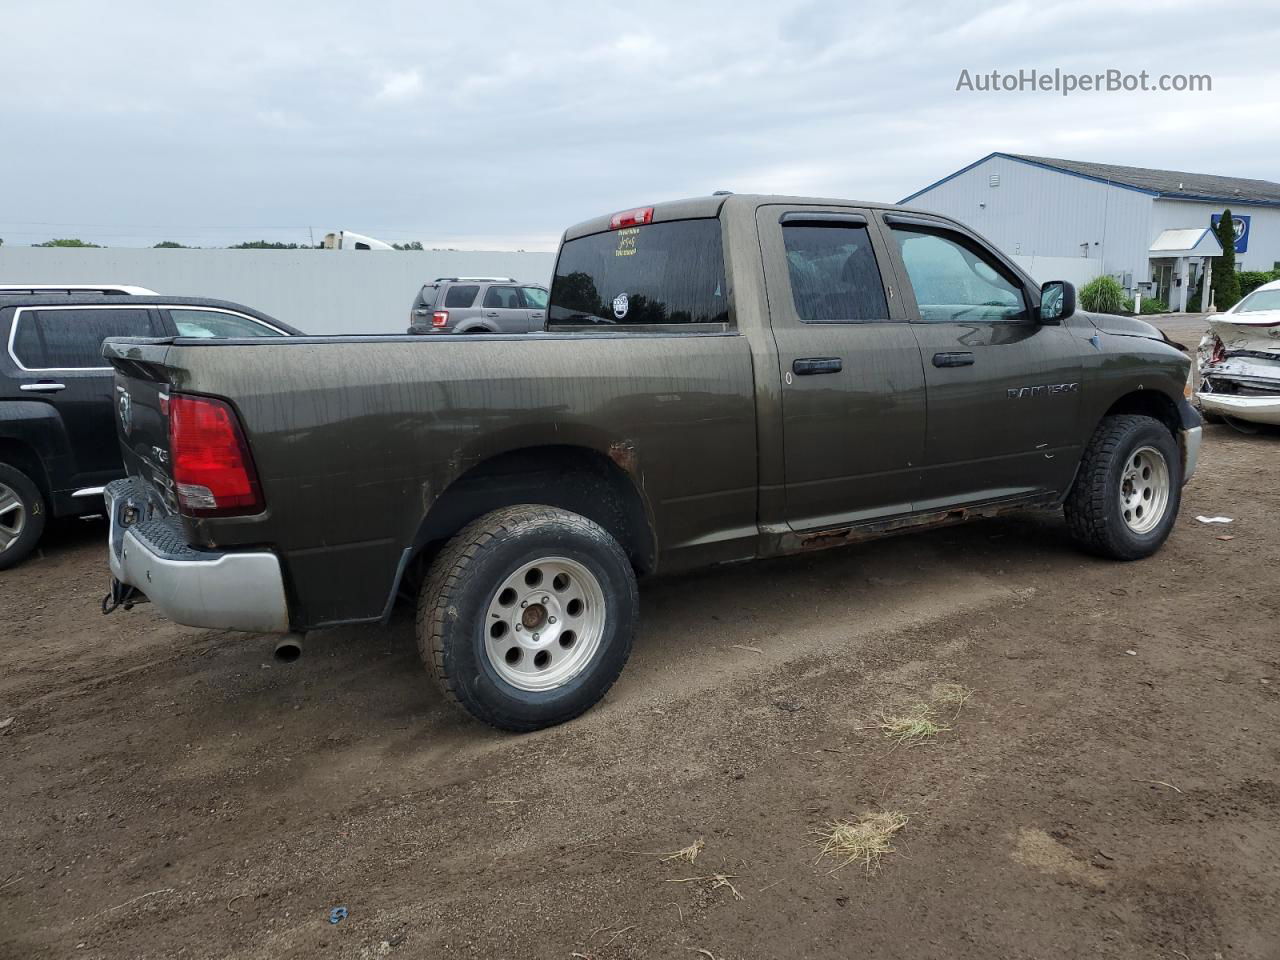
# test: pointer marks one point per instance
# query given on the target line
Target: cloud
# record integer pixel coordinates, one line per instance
(507, 119)
(401, 85)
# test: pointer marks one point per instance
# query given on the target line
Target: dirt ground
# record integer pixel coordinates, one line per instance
(1110, 790)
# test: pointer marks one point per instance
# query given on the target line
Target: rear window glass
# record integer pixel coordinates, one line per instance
(833, 273)
(72, 339)
(461, 296)
(1260, 300)
(663, 273)
(535, 298)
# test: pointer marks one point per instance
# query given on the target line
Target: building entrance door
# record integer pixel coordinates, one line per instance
(1162, 277)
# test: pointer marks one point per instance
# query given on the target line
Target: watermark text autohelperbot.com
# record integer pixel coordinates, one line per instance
(1065, 83)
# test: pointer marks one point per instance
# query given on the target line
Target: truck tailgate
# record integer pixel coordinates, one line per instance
(141, 395)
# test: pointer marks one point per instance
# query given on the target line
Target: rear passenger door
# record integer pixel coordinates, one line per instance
(1003, 388)
(853, 398)
(58, 353)
(535, 301)
(503, 309)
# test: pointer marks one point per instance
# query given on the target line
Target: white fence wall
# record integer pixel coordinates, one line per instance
(317, 291)
(1076, 270)
(331, 291)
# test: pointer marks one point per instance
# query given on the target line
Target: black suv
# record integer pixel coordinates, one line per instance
(58, 445)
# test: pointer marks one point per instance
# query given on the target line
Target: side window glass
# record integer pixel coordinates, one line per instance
(460, 297)
(534, 298)
(833, 273)
(208, 324)
(502, 298)
(954, 282)
(72, 339)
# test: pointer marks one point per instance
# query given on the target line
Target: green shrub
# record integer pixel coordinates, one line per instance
(1154, 305)
(1251, 280)
(1226, 285)
(1102, 295)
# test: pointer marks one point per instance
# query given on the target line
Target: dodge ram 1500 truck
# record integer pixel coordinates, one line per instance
(720, 379)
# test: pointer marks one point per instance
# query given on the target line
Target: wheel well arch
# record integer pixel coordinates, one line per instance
(23, 457)
(1149, 403)
(573, 478)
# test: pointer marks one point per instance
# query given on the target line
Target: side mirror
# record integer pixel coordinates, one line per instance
(1057, 301)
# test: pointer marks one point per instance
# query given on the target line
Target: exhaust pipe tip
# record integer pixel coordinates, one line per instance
(289, 649)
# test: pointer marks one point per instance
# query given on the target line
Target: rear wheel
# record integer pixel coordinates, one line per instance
(1127, 492)
(526, 616)
(22, 516)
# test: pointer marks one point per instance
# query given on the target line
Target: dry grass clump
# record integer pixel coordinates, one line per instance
(865, 840)
(687, 854)
(951, 695)
(915, 725)
(717, 880)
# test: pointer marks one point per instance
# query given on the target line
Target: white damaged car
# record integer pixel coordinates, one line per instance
(1239, 360)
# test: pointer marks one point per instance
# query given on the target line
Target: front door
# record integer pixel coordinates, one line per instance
(853, 398)
(1162, 275)
(1003, 388)
(535, 301)
(59, 352)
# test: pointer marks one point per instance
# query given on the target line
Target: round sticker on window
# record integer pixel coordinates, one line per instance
(621, 305)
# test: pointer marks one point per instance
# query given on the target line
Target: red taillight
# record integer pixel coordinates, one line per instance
(212, 469)
(440, 318)
(631, 218)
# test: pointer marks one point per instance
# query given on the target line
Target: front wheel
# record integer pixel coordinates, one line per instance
(526, 616)
(22, 516)
(1128, 489)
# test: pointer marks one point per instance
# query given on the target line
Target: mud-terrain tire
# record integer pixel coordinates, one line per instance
(1127, 491)
(22, 512)
(526, 616)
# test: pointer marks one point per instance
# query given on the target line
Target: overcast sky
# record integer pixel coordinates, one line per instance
(494, 125)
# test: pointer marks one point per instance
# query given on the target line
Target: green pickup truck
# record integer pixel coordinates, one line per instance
(720, 379)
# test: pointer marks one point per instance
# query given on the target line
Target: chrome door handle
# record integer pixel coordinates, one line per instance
(43, 387)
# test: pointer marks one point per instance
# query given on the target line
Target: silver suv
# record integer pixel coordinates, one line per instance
(478, 305)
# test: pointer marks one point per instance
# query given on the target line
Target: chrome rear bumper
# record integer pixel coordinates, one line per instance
(1253, 409)
(200, 588)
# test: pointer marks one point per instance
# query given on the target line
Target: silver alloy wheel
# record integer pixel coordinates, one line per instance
(1144, 489)
(545, 623)
(13, 517)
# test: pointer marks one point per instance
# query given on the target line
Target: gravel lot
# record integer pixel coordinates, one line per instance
(1110, 790)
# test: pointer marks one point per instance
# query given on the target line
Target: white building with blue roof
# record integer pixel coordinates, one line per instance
(1147, 228)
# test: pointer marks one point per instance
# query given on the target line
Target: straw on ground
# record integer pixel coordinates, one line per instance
(687, 854)
(865, 840)
(913, 726)
(717, 880)
(951, 695)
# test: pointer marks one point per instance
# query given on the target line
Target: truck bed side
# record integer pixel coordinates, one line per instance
(356, 440)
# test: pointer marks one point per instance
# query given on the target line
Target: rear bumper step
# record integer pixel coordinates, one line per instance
(228, 590)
